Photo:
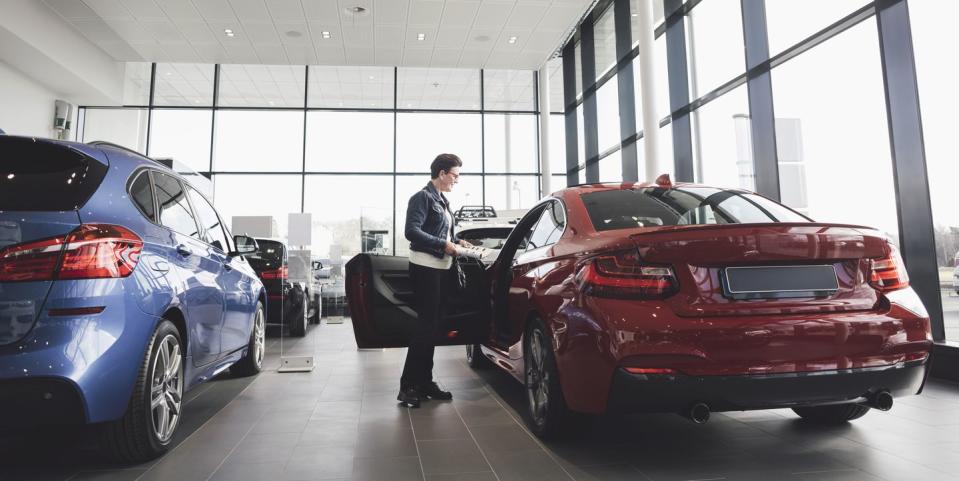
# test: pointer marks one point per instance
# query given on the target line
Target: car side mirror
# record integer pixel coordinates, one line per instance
(245, 245)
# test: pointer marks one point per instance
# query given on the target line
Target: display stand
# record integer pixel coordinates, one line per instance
(300, 230)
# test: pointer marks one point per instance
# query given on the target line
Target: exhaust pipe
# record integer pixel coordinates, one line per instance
(698, 413)
(882, 401)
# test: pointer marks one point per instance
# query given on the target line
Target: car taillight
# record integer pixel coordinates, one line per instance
(623, 275)
(889, 273)
(95, 251)
(280, 273)
(91, 251)
(32, 261)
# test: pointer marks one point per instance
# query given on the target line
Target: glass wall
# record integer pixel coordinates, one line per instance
(814, 109)
(935, 38)
(333, 141)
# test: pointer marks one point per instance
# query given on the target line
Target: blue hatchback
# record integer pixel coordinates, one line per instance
(120, 289)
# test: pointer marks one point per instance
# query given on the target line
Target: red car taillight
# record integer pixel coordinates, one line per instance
(280, 273)
(889, 273)
(91, 251)
(623, 275)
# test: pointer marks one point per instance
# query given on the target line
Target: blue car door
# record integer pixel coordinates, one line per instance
(235, 285)
(198, 269)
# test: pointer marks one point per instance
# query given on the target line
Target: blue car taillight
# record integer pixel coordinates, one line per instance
(90, 251)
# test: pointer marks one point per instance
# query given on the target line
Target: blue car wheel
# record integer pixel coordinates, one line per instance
(145, 430)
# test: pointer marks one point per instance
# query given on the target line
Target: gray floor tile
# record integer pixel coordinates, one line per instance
(117, 475)
(487, 476)
(385, 442)
(534, 465)
(393, 469)
(248, 472)
(503, 438)
(451, 456)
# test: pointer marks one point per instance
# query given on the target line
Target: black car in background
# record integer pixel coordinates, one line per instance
(285, 304)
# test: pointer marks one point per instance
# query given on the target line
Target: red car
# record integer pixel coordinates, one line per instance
(674, 298)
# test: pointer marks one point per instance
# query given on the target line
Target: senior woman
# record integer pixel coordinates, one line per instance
(429, 228)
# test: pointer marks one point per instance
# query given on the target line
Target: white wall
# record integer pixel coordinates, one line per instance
(26, 108)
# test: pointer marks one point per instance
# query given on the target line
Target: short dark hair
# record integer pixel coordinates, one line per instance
(444, 162)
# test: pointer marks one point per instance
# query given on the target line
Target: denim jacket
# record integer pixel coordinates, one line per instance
(426, 226)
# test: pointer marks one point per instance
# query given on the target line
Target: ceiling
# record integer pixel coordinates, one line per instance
(456, 33)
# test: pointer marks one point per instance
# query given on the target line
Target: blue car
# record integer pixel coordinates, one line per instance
(120, 289)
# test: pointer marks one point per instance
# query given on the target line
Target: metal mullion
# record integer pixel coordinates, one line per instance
(590, 126)
(153, 76)
(679, 92)
(910, 175)
(569, 94)
(216, 103)
(539, 153)
(306, 96)
(483, 136)
(395, 115)
(762, 118)
(627, 94)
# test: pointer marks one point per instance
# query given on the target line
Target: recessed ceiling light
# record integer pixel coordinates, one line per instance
(371, 77)
(294, 34)
(634, 15)
(357, 10)
(196, 101)
(229, 32)
(481, 38)
(326, 34)
(272, 103)
(169, 74)
(512, 39)
(10, 176)
(421, 36)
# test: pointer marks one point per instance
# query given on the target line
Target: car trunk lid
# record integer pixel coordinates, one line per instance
(761, 269)
(42, 184)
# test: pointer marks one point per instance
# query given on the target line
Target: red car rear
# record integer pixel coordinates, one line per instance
(685, 298)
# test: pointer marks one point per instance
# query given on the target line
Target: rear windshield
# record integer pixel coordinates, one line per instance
(270, 255)
(39, 176)
(649, 207)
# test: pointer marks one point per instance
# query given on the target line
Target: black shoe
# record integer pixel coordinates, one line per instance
(433, 391)
(410, 397)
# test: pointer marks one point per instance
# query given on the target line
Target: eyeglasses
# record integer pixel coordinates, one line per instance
(455, 176)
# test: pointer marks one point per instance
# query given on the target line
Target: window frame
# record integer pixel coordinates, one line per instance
(228, 247)
(190, 205)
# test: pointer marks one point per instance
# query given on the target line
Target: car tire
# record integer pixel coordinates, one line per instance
(475, 358)
(252, 363)
(547, 414)
(300, 319)
(834, 414)
(315, 317)
(145, 432)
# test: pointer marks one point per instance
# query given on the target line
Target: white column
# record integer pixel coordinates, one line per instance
(647, 79)
(543, 85)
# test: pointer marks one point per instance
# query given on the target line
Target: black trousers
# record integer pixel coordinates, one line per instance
(428, 286)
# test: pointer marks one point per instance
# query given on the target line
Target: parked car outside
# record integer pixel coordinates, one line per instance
(120, 290)
(285, 305)
(681, 298)
(955, 273)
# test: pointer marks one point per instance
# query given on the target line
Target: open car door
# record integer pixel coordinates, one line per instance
(380, 295)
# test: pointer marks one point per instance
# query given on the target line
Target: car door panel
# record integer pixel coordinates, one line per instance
(381, 299)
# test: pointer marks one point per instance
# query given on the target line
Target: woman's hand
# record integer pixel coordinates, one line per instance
(450, 248)
(465, 243)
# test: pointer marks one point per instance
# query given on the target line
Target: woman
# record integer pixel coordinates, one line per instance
(429, 228)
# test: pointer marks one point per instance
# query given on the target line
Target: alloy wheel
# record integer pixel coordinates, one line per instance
(259, 339)
(537, 378)
(166, 388)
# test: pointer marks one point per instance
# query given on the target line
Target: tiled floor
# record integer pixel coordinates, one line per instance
(341, 422)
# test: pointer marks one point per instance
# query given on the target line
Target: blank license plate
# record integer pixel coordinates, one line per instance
(780, 281)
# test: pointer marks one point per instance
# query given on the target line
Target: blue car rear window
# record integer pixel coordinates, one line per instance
(41, 176)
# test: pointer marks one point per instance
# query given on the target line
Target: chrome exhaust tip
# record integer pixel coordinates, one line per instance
(882, 401)
(698, 413)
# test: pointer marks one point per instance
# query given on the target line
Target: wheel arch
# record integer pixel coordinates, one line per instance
(175, 315)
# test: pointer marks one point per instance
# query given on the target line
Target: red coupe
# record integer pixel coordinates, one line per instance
(655, 297)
